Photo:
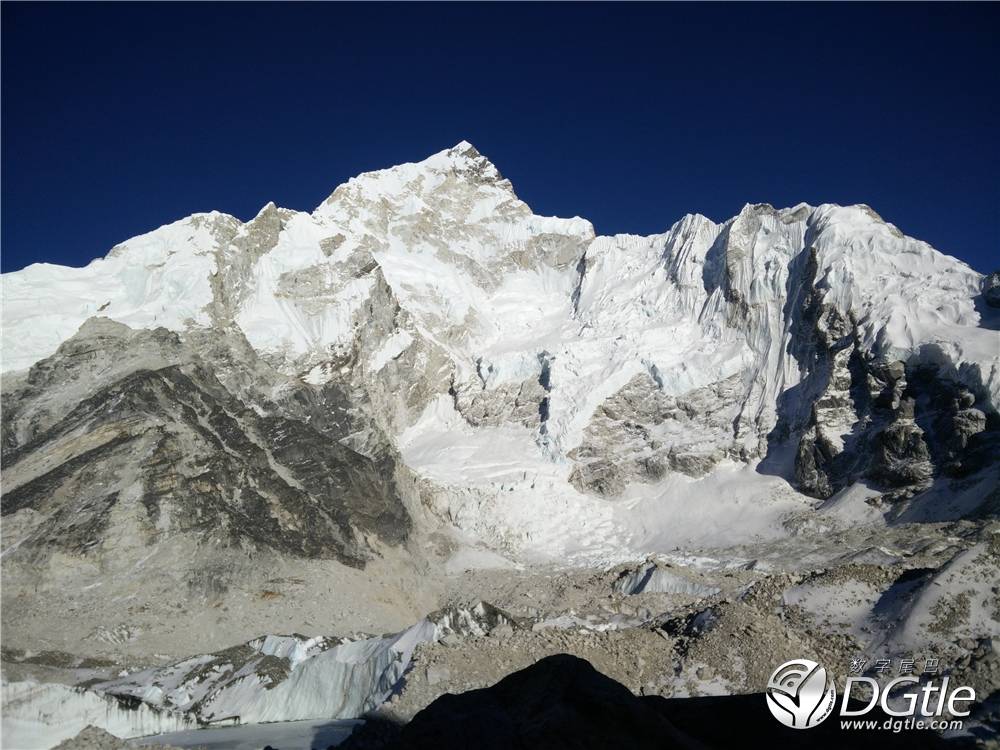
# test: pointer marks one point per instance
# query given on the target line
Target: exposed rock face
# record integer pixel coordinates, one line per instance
(871, 418)
(641, 434)
(901, 458)
(896, 426)
(130, 433)
(991, 289)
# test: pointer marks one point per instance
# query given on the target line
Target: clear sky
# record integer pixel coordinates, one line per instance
(119, 118)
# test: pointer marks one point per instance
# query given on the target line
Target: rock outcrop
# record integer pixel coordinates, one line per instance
(991, 289)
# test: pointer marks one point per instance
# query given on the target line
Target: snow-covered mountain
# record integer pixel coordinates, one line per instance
(319, 422)
(520, 371)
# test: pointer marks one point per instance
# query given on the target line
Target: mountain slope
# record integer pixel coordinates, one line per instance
(474, 366)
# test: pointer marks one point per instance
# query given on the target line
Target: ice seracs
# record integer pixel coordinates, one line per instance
(271, 678)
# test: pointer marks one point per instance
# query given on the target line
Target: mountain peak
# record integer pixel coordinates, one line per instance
(464, 147)
(462, 160)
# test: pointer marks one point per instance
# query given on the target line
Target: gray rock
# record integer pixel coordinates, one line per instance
(136, 424)
(640, 434)
(95, 738)
(901, 457)
(991, 289)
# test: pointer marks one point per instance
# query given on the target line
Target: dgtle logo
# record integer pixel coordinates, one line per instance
(800, 694)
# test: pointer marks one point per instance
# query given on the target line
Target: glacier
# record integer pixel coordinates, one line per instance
(270, 679)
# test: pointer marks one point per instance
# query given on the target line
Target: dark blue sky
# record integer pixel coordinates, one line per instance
(119, 118)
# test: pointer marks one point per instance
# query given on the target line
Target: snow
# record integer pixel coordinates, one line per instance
(496, 291)
(970, 576)
(299, 302)
(156, 279)
(446, 233)
(393, 346)
(847, 605)
(320, 374)
(911, 298)
(494, 479)
(733, 505)
(919, 610)
(295, 649)
(502, 487)
(469, 558)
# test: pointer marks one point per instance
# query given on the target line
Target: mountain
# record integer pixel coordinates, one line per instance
(314, 421)
(422, 327)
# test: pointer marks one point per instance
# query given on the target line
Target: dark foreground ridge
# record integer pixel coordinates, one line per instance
(563, 702)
